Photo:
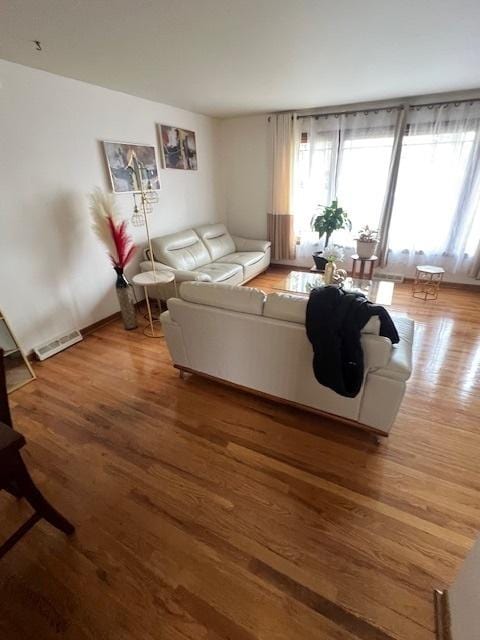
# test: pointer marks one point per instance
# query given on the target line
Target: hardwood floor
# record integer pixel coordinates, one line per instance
(204, 513)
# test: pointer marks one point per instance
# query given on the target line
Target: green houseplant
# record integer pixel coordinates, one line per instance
(367, 241)
(331, 219)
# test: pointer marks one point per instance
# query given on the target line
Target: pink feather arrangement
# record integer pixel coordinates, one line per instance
(112, 233)
(124, 246)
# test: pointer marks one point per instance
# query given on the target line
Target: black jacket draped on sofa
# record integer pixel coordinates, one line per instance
(334, 320)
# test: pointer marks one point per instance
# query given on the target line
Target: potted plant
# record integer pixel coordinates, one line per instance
(367, 241)
(331, 219)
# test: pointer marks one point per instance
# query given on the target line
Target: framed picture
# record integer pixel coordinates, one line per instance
(131, 165)
(179, 147)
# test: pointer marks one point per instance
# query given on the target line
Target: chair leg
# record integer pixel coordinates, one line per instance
(30, 492)
(13, 489)
(25, 528)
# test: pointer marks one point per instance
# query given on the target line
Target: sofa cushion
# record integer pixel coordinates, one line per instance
(218, 271)
(224, 296)
(245, 259)
(183, 250)
(292, 308)
(217, 240)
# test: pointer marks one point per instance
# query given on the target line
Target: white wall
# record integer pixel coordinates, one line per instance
(245, 175)
(53, 272)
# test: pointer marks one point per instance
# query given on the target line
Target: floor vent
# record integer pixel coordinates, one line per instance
(393, 277)
(58, 344)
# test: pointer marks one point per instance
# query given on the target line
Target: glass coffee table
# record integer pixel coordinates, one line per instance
(302, 282)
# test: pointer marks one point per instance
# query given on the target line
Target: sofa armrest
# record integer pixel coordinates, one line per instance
(377, 351)
(390, 361)
(181, 275)
(247, 244)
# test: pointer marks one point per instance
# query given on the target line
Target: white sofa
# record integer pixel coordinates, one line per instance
(258, 342)
(208, 254)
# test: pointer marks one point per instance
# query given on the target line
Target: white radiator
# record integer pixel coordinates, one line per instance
(52, 347)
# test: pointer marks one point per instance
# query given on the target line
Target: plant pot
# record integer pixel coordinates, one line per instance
(319, 260)
(365, 249)
(125, 300)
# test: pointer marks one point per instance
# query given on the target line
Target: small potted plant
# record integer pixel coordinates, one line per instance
(367, 241)
(331, 219)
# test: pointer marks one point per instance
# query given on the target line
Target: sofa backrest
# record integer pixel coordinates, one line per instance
(292, 308)
(224, 296)
(182, 250)
(285, 306)
(217, 240)
(278, 306)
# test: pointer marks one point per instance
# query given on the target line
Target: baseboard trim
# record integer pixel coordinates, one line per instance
(279, 400)
(442, 615)
(100, 323)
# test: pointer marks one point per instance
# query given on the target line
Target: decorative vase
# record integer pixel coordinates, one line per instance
(365, 249)
(329, 272)
(340, 276)
(320, 261)
(125, 300)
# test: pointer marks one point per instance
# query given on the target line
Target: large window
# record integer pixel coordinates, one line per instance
(430, 180)
(347, 158)
(435, 214)
(312, 180)
(361, 178)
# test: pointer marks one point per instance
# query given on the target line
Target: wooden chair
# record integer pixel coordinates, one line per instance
(14, 476)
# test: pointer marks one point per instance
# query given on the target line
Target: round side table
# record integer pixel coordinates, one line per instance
(427, 282)
(363, 261)
(148, 279)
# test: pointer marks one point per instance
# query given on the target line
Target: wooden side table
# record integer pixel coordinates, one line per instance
(148, 279)
(361, 274)
(427, 282)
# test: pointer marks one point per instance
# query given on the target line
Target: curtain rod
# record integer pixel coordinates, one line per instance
(388, 108)
(341, 113)
(444, 103)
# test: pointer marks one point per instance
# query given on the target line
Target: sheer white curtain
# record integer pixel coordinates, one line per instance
(343, 156)
(436, 212)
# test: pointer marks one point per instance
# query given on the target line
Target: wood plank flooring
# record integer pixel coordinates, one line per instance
(204, 513)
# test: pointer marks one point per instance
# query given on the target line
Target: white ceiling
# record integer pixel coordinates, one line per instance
(231, 57)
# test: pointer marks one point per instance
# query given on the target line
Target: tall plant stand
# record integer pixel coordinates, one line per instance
(362, 273)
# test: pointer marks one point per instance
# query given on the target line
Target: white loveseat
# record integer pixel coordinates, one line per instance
(258, 342)
(209, 254)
